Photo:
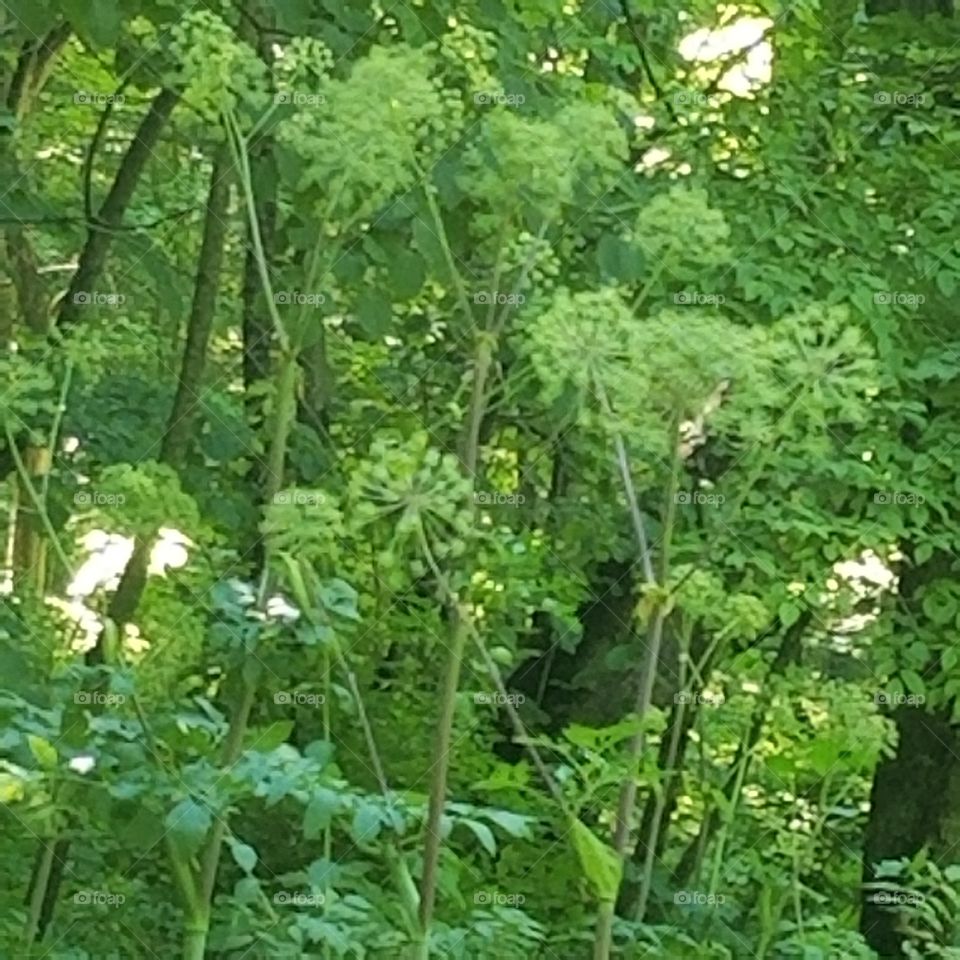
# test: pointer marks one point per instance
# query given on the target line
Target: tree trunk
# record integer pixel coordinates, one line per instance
(93, 257)
(908, 803)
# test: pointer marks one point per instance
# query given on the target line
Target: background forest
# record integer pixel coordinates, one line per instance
(479, 479)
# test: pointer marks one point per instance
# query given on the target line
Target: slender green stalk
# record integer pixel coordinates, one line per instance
(55, 425)
(200, 889)
(603, 937)
(441, 229)
(647, 287)
(662, 794)
(728, 819)
(438, 781)
(516, 721)
(328, 829)
(38, 892)
(438, 787)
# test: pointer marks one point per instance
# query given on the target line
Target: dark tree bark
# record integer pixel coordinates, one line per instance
(175, 444)
(910, 797)
(908, 803)
(93, 257)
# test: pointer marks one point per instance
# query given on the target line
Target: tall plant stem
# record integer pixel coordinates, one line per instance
(603, 936)
(438, 782)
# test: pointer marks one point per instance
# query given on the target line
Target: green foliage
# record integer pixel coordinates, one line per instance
(650, 300)
(371, 134)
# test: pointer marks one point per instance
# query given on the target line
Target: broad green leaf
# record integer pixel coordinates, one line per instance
(247, 890)
(321, 873)
(375, 314)
(366, 824)
(188, 823)
(407, 275)
(243, 854)
(265, 739)
(484, 834)
(43, 751)
(600, 863)
(947, 282)
(96, 20)
(340, 598)
(323, 805)
(789, 613)
(32, 15)
(913, 682)
(514, 824)
(12, 785)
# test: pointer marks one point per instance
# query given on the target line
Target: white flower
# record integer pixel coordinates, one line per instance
(278, 607)
(82, 764)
